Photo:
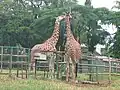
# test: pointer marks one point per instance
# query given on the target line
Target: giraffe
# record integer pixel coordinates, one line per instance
(73, 50)
(50, 44)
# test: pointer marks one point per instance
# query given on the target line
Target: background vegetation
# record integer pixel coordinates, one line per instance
(28, 22)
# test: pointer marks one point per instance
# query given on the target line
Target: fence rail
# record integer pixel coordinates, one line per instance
(92, 66)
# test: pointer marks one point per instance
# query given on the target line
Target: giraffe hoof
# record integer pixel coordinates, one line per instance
(76, 81)
(67, 80)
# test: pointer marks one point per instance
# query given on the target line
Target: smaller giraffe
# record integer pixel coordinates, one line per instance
(48, 46)
(73, 50)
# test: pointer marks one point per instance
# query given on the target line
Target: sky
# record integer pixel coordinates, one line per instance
(102, 3)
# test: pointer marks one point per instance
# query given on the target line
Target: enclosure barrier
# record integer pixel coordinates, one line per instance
(12, 57)
(46, 63)
(16, 60)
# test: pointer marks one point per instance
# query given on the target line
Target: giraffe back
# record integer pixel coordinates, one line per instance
(73, 49)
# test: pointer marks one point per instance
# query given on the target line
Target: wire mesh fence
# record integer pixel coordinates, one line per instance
(16, 60)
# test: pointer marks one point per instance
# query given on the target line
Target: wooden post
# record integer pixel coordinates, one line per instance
(90, 70)
(29, 63)
(22, 69)
(26, 65)
(109, 70)
(96, 70)
(1, 58)
(76, 69)
(97, 73)
(57, 66)
(116, 67)
(47, 73)
(35, 67)
(17, 69)
(10, 63)
(18, 62)
(17, 54)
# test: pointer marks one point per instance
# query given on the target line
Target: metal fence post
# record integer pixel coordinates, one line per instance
(109, 70)
(10, 63)
(1, 58)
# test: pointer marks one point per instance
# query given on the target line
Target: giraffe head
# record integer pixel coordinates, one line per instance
(68, 14)
(59, 18)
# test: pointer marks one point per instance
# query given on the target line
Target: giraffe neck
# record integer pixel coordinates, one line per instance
(55, 36)
(68, 29)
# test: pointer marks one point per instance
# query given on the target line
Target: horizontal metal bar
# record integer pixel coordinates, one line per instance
(42, 66)
(14, 55)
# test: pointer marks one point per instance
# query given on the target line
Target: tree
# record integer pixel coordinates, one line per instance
(88, 2)
(113, 45)
(88, 27)
(32, 21)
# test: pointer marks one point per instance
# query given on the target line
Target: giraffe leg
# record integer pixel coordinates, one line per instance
(67, 69)
(73, 71)
(76, 69)
(33, 66)
(51, 66)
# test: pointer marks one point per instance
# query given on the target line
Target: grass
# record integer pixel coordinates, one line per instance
(100, 77)
(7, 83)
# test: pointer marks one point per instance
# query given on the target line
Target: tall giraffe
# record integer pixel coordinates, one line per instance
(73, 50)
(50, 44)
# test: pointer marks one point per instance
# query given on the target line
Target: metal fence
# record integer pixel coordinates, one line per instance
(12, 57)
(15, 60)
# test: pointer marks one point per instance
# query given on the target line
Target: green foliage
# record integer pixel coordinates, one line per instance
(114, 43)
(30, 21)
(86, 25)
(115, 47)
